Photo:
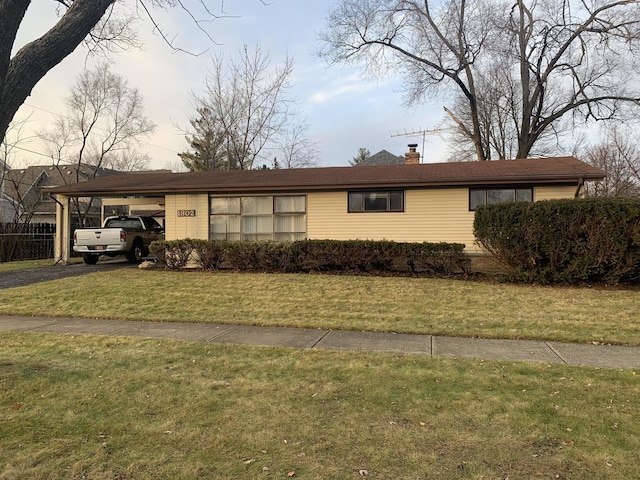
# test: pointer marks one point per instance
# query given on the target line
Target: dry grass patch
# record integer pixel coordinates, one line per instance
(392, 304)
(105, 408)
(30, 264)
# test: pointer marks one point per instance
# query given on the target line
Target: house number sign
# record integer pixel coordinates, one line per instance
(186, 213)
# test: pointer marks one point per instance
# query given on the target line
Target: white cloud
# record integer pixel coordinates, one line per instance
(345, 111)
(340, 90)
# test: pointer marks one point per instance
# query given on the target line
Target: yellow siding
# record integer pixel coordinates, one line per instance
(150, 202)
(187, 227)
(436, 215)
(554, 192)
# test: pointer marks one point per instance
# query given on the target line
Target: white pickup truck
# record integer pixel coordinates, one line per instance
(124, 235)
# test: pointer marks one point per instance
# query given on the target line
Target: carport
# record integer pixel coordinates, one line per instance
(184, 199)
(62, 241)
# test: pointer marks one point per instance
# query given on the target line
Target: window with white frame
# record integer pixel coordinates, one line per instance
(483, 196)
(281, 218)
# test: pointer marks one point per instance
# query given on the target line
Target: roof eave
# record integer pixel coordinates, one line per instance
(432, 183)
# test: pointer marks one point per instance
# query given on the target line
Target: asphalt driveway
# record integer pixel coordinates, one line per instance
(44, 274)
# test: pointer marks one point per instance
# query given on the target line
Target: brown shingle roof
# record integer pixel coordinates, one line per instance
(528, 171)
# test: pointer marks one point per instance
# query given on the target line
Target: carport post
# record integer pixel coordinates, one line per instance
(63, 231)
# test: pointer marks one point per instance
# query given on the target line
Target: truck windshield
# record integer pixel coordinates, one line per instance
(133, 223)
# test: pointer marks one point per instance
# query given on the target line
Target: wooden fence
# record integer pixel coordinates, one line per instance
(29, 241)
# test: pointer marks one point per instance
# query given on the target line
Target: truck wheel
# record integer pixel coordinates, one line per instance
(90, 259)
(135, 255)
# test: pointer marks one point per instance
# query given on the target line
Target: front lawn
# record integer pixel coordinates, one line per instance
(24, 265)
(125, 408)
(389, 304)
(30, 264)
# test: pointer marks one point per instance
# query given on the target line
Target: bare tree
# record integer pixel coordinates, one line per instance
(102, 128)
(127, 160)
(243, 113)
(101, 24)
(17, 208)
(433, 48)
(618, 154)
(17, 204)
(9, 208)
(294, 148)
(518, 72)
(176, 166)
(14, 209)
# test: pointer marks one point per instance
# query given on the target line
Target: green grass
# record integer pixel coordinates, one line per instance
(391, 304)
(24, 265)
(122, 408)
(30, 264)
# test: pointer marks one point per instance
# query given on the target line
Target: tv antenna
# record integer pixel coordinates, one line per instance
(423, 133)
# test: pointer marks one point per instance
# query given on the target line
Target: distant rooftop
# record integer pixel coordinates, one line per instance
(383, 157)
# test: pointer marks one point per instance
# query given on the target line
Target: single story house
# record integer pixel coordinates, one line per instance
(412, 202)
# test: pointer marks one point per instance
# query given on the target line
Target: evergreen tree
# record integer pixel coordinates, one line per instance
(363, 154)
(208, 145)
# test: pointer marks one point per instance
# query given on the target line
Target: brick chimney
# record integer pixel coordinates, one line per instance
(412, 157)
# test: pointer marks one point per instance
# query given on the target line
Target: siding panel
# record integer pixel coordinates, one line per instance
(554, 192)
(433, 215)
(187, 227)
(437, 215)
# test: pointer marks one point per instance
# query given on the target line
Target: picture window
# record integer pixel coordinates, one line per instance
(280, 218)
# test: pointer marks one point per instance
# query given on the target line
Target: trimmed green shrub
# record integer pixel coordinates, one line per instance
(158, 249)
(436, 258)
(258, 256)
(564, 241)
(345, 256)
(209, 255)
(356, 256)
(380, 256)
(173, 254)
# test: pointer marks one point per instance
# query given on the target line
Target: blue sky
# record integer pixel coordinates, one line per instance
(344, 110)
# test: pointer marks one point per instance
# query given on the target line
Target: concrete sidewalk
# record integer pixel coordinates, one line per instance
(604, 356)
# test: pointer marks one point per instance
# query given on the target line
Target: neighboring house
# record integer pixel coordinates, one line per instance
(383, 157)
(406, 203)
(7, 206)
(29, 202)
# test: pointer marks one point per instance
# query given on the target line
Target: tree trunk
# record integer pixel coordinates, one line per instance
(18, 75)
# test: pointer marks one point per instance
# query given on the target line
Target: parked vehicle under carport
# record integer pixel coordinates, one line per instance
(122, 235)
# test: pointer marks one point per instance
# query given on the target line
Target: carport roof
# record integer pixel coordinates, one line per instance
(523, 171)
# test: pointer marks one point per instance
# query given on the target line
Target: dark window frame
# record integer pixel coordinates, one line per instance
(377, 191)
(485, 191)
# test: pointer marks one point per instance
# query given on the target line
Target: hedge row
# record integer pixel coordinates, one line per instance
(357, 256)
(564, 241)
